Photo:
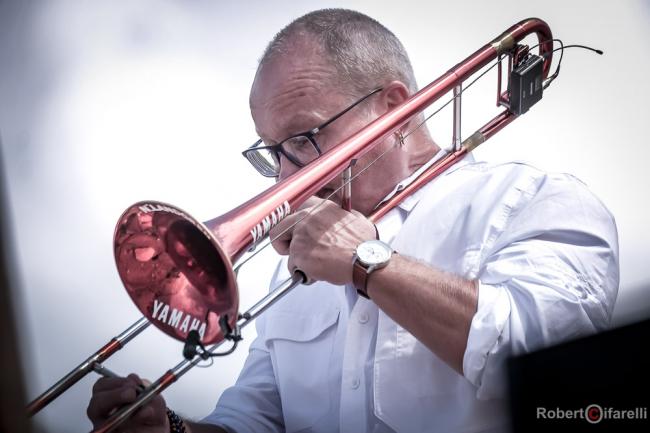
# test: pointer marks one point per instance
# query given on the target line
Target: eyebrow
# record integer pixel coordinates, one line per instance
(304, 122)
(298, 124)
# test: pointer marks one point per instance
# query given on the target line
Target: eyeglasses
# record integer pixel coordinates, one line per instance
(300, 149)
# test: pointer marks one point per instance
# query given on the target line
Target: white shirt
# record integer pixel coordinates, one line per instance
(545, 252)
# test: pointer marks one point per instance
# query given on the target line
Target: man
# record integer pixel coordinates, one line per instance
(488, 261)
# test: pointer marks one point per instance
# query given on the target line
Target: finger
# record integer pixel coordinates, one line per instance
(135, 379)
(145, 416)
(107, 383)
(154, 413)
(140, 383)
(103, 402)
(282, 233)
(281, 242)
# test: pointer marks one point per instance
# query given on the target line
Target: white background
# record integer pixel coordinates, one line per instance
(106, 103)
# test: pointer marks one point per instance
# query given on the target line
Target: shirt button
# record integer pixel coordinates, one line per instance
(356, 383)
(363, 318)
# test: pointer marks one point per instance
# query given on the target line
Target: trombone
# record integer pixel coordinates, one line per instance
(179, 271)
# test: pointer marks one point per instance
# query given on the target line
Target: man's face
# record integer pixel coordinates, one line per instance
(289, 96)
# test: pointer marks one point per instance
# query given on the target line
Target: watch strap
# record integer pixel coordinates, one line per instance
(360, 273)
(360, 278)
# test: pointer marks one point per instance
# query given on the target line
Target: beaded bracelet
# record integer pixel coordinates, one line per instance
(176, 424)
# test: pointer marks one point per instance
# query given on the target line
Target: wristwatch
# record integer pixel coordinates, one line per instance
(369, 256)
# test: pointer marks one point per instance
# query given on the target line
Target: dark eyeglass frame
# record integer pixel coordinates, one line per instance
(277, 149)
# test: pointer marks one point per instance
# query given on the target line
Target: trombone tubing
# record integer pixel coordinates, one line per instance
(115, 344)
(297, 188)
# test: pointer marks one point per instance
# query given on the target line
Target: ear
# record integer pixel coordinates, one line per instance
(393, 94)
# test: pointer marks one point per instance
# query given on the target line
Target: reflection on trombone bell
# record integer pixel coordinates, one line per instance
(179, 272)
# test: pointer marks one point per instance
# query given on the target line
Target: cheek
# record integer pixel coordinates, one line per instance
(340, 130)
(377, 165)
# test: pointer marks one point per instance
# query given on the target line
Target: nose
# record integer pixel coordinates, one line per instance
(287, 168)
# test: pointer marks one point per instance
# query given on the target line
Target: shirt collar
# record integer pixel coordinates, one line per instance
(409, 202)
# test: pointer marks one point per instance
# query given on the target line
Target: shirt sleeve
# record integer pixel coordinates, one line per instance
(552, 275)
(253, 403)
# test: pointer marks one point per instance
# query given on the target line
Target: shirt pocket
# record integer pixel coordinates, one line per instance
(301, 348)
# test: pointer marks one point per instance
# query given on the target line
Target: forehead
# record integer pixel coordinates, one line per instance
(293, 87)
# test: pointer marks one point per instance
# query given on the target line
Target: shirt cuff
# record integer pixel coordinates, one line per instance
(485, 330)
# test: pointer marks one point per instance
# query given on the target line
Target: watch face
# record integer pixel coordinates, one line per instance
(373, 253)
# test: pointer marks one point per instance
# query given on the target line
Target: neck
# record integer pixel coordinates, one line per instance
(424, 148)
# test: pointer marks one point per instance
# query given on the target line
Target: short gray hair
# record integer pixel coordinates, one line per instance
(365, 53)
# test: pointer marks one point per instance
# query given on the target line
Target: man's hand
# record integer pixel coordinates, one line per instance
(323, 243)
(110, 393)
